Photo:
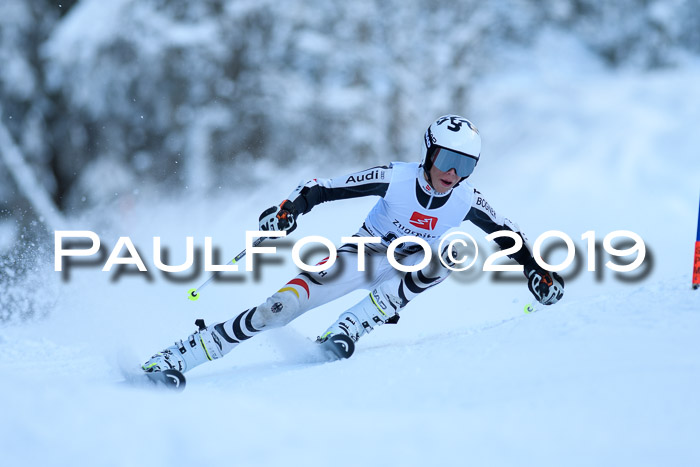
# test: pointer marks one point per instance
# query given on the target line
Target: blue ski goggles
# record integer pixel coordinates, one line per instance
(446, 159)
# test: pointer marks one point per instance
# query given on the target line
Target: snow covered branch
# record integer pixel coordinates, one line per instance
(28, 184)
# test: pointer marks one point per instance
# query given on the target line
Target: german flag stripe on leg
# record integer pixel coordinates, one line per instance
(297, 282)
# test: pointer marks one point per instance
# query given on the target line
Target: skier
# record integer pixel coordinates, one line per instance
(422, 200)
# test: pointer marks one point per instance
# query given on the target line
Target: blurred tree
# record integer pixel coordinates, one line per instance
(104, 98)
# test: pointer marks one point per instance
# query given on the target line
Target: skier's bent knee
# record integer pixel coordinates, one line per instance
(277, 311)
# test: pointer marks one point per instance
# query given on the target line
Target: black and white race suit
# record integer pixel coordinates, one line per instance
(407, 206)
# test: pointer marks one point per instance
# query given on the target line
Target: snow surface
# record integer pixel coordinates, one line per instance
(610, 376)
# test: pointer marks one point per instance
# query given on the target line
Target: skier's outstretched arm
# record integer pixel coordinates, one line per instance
(547, 287)
(370, 182)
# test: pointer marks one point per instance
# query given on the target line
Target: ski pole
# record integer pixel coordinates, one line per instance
(193, 294)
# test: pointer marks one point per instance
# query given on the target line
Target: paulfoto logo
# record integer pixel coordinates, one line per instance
(456, 249)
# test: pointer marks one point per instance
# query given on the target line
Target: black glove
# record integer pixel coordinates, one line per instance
(547, 287)
(282, 217)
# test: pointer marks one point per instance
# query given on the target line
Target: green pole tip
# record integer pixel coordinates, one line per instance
(529, 308)
(193, 295)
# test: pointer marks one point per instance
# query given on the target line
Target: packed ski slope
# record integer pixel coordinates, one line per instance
(611, 381)
(609, 376)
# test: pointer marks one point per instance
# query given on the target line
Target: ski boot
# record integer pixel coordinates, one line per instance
(359, 320)
(202, 346)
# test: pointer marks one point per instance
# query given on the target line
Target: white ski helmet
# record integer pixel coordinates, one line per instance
(451, 142)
